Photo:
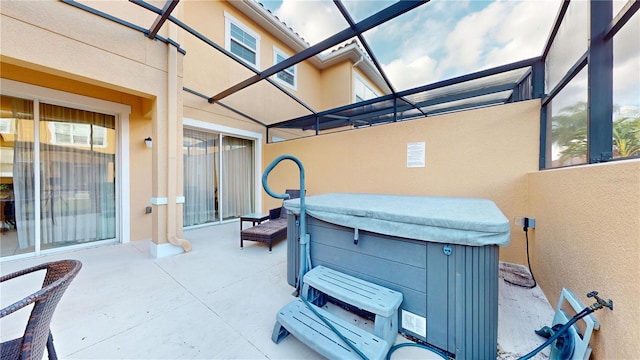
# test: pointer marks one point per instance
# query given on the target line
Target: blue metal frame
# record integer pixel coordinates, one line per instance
(225, 106)
(166, 12)
(602, 28)
(398, 102)
(369, 23)
(630, 8)
(599, 58)
(600, 88)
(209, 42)
(122, 22)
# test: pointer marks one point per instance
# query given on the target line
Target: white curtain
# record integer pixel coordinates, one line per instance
(23, 170)
(78, 188)
(77, 178)
(214, 188)
(237, 177)
(200, 154)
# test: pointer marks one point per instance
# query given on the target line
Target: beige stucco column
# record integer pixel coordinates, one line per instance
(167, 182)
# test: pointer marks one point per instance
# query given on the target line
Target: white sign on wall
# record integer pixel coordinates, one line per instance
(415, 154)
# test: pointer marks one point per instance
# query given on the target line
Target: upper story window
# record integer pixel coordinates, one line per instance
(64, 133)
(241, 41)
(287, 76)
(6, 126)
(362, 90)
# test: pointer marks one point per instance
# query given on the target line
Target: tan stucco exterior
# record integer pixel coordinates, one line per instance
(115, 66)
(332, 76)
(98, 58)
(587, 234)
(588, 238)
(471, 154)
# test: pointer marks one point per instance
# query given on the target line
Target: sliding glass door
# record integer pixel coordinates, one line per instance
(237, 177)
(59, 187)
(201, 168)
(218, 177)
(17, 180)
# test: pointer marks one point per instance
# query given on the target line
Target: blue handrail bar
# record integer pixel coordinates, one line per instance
(305, 258)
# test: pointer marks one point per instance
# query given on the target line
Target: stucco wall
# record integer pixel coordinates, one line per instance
(587, 237)
(336, 77)
(139, 127)
(209, 71)
(110, 62)
(471, 154)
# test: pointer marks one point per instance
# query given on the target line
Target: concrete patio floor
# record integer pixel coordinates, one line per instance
(216, 302)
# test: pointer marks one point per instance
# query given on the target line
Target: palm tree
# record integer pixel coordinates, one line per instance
(569, 132)
(626, 137)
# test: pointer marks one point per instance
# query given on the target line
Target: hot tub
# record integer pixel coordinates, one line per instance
(440, 253)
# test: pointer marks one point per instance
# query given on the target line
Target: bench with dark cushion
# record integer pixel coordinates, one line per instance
(273, 230)
(268, 231)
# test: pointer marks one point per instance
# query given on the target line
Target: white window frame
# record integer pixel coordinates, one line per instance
(230, 19)
(276, 52)
(98, 131)
(121, 112)
(358, 78)
(250, 135)
(6, 125)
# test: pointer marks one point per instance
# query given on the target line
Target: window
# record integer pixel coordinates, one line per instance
(591, 112)
(242, 41)
(64, 133)
(287, 76)
(6, 125)
(77, 187)
(568, 142)
(569, 44)
(219, 181)
(626, 90)
(361, 89)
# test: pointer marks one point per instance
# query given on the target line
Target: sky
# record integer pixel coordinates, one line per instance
(436, 41)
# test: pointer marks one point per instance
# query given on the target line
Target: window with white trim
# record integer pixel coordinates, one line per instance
(6, 125)
(289, 75)
(362, 90)
(64, 133)
(241, 41)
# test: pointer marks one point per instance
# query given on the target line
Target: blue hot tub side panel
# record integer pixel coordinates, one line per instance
(457, 294)
(372, 259)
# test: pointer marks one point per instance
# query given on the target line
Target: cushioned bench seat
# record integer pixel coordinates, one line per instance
(266, 232)
(273, 230)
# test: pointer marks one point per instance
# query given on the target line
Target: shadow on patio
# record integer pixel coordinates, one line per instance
(216, 302)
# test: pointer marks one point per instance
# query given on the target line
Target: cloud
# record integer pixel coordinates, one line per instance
(313, 20)
(501, 33)
(463, 37)
(437, 40)
(406, 74)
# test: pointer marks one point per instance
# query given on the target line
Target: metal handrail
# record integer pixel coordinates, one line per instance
(305, 258)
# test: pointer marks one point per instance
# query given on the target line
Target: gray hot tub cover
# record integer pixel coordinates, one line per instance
(463, 221)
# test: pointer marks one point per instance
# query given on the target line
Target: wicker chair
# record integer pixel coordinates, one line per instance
(37, 334)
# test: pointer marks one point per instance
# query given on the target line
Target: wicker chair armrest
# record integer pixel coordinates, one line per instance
(25, 301)
(47, 285)
(18, 305)
(18, 273)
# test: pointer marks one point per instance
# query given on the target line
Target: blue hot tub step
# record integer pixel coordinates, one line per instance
(318, 283)
(364, 295)
(296, 318)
